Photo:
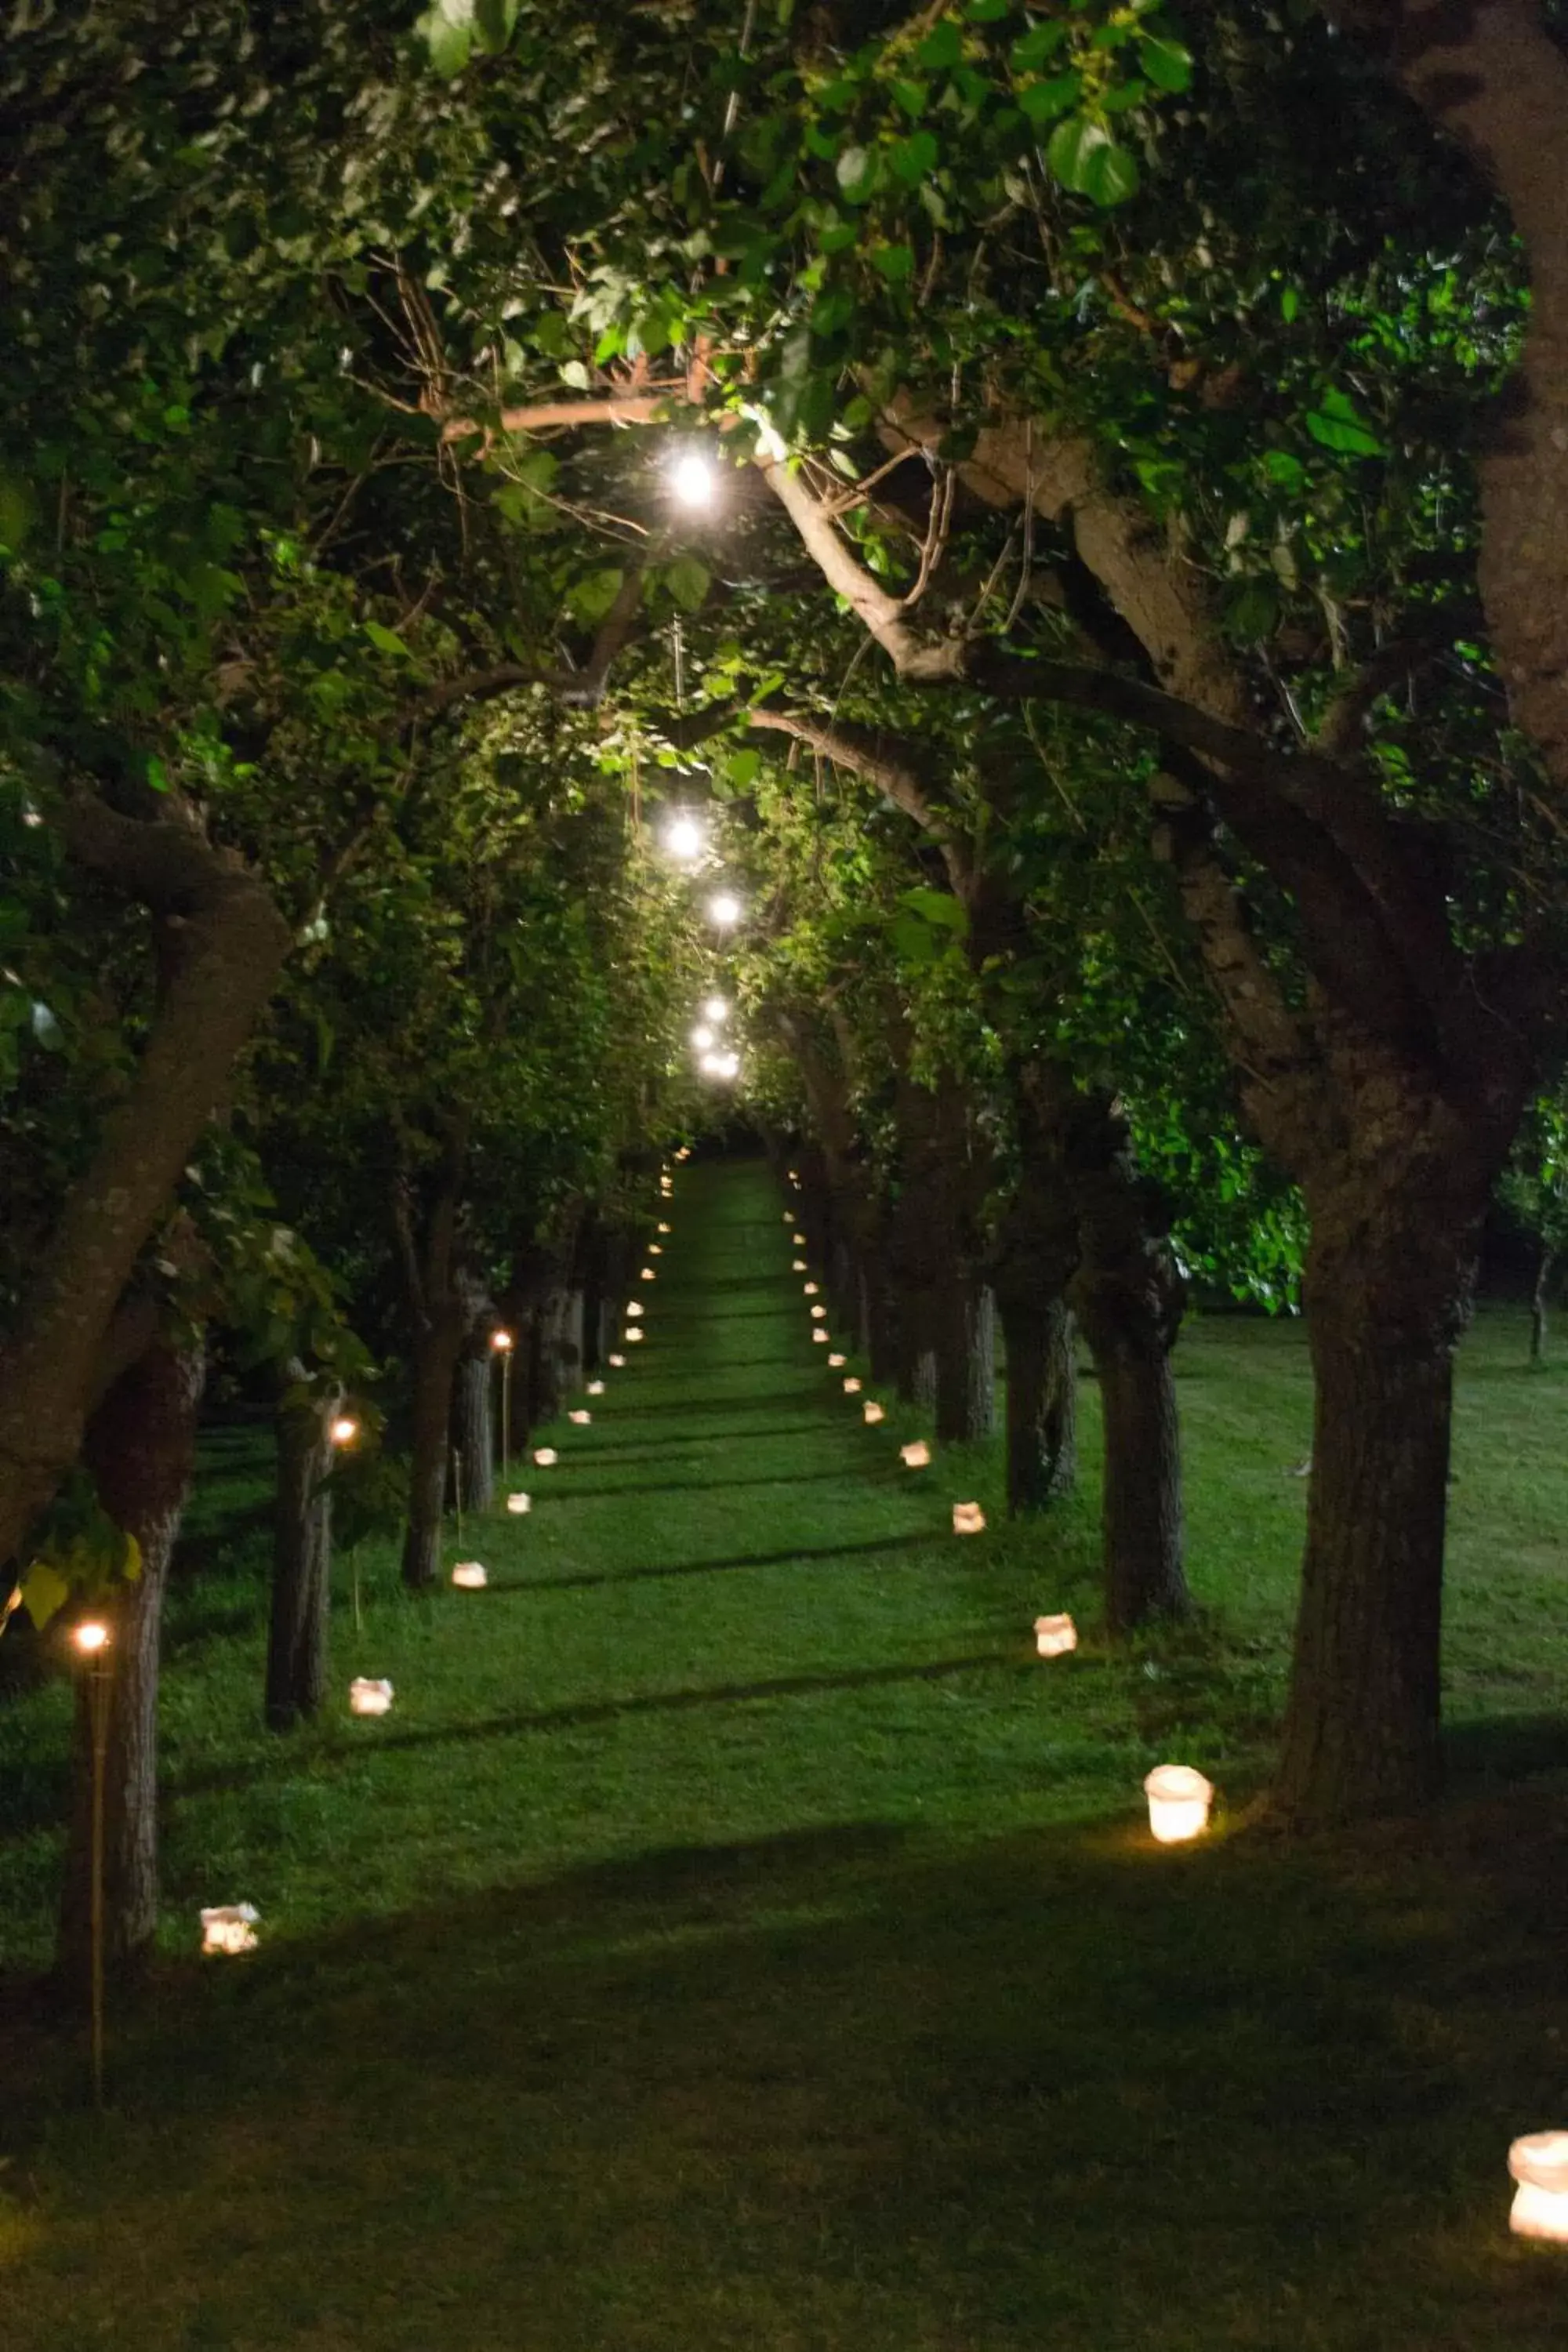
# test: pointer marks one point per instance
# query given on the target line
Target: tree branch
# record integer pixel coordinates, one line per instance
(645, 406)
(230, 943)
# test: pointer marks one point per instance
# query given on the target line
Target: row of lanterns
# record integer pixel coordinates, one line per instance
(1178, 1800)
(1179, 1797)
(230, 1927)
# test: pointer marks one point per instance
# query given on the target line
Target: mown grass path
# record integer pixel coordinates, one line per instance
(734, 1938)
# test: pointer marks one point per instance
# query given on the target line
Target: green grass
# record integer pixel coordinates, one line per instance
(736, 1937)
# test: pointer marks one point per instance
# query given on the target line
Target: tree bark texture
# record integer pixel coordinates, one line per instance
(1128, 1296)
(1042, 1402)
(1387, 1297)
(966, 1360)
(139, 1446)
(1538, 1304)
(227, 947)
(301, 1561)
(436, 1349)
(474, 1392)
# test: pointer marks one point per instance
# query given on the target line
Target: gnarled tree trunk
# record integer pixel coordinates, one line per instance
(225, 943)
(139, 1446)
(301, 1557)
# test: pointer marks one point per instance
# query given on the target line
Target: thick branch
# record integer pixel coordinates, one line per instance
(644, 407)
(896, 767)
(232, 941)
(1372, 922)
(581, 689)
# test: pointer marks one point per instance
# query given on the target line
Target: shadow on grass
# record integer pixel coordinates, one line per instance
(588, 1578)
(575, 1494)
(697, 1408)
(662, 1448)
(589, 1712)
(1051, 2092)
(1506, 1747)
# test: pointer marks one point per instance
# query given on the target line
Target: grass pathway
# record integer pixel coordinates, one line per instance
(734, 1938)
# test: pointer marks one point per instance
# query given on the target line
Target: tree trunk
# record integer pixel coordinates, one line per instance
(1385, 1315)
(882, 1342)
(139, 1446)
(965, 1362)
(301, 1561)
(1538, 1304)
(435, 1364)
(472, 1426)
(917, 1378)
(1141, 1489)
(547, 1363)
(1042, 1402)
(231, 942)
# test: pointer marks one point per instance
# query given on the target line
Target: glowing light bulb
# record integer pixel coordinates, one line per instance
(683, 837)
(714, 1008)
(90, 1638)
(724, 908)
(692, 479)
(344, 1430)
(702, 1037)
(500, 1341)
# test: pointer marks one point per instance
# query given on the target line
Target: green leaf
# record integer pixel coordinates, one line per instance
(1339, 425)
(1042, 101)
(495, 20)
(895, 263)
(45, 1593)
(1041, 42)
(1167, 64)
(856, 172)
(1281, 467)
(1289, 303)
(986, 12)
(591, 598)
(942, 47)
(1110, 175)
(386, 641)
(447, 32)
(743, 768)
(687, 582)
(914, 157)
(937, 907)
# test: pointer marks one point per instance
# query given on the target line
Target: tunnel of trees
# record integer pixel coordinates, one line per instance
(1071, 501)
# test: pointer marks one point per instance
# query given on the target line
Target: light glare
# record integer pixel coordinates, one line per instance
(691, 477)
(683, 837)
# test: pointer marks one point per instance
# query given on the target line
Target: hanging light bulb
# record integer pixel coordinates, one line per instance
(702, 1037)
(692, 479)
(684, 838)
(724, 910)
(714, 1008)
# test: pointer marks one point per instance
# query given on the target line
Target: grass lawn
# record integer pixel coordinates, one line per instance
(736, 1937)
